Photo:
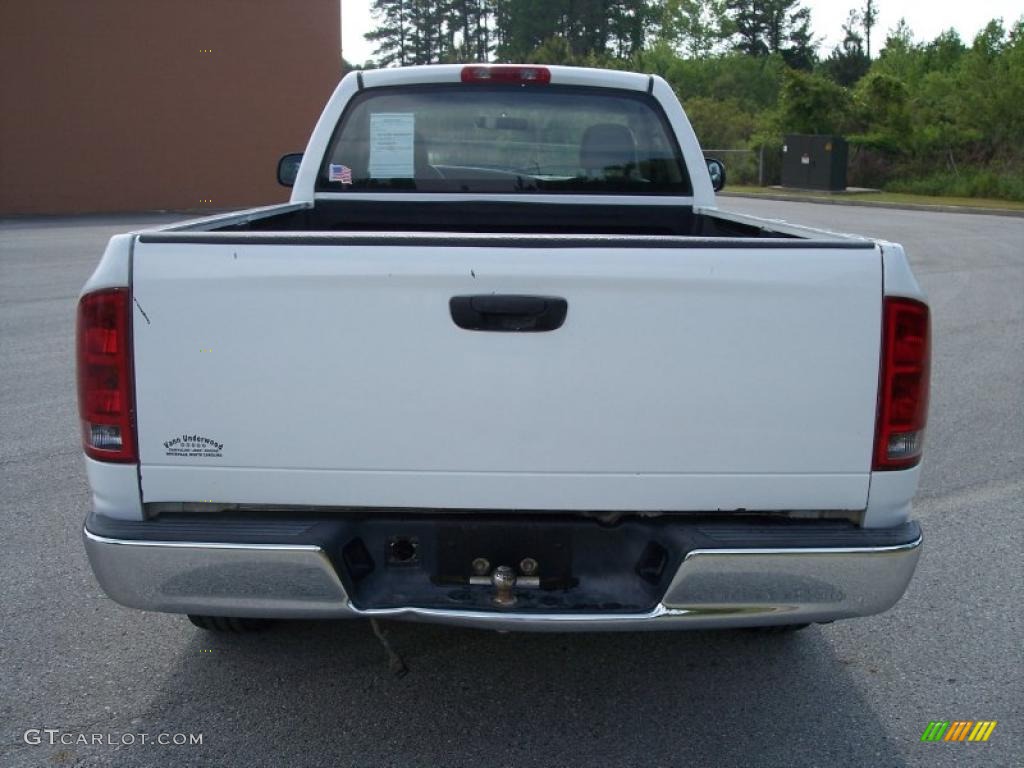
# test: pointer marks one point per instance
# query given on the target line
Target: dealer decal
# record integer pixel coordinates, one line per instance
(194, 446)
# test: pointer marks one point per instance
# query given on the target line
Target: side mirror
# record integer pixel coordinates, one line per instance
(288, 169)
(716, 169)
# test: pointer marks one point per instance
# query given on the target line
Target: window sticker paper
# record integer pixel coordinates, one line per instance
(391, 145)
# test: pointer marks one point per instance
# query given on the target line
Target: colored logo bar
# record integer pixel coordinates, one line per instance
(958, 730)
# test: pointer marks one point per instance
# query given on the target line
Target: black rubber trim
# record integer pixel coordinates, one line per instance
(701, 532)
(359, 79)
(650, 85)
(203, 528)
(487, 218)
(816, 535)
(498, 240)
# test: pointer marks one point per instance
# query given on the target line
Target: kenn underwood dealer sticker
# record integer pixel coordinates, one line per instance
(194, 446)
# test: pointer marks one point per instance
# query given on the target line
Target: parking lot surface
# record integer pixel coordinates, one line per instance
(855, 693)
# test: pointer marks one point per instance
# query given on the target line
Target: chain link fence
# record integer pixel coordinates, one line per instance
(743, 166)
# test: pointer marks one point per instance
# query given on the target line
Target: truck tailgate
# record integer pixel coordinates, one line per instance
(684, 378)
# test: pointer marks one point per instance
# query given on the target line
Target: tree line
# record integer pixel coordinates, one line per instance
(944, 116)
(412, 32)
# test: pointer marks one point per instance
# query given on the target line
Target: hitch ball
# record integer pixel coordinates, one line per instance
(504, 579)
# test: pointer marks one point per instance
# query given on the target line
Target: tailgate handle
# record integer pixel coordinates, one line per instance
(513, 314)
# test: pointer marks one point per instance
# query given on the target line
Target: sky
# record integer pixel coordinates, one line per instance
(927, 18)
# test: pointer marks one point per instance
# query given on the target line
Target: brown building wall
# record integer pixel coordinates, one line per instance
(114, 105)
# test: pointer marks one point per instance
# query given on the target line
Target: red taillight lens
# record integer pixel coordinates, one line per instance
(903, 388)
(515, 75)
(105, 376)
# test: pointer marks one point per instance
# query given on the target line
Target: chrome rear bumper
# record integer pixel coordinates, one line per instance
(716, 588)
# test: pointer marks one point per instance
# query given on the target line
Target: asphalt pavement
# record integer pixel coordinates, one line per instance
(853, 693)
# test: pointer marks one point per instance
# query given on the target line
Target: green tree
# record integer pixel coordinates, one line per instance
(523, 25)
(899, 54)
(554, 50)
(848, 62)
(720, 123)
(754, 82)
(946, 118)
(762, 27)
(883, 106)
(630, 21)
(869, 18)
(695, 27)
(391, 33)
(468, 27)
(990, 89)
(591, 28)
(812, 103)
(432, 33)
(412, 31)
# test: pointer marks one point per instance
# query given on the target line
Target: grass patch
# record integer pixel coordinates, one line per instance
(880, 198)
(1006, 184)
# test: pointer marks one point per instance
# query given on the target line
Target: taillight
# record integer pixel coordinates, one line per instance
(105, 402)
(514, 75)
(903, 387)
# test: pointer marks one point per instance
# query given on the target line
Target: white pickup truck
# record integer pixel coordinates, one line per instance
(502, 362)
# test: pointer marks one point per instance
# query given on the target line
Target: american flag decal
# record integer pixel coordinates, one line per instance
(340, 173)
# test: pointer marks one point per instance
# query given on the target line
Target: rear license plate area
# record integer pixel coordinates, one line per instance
(459, 547)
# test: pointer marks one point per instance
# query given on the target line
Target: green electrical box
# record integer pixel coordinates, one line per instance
(814, 162)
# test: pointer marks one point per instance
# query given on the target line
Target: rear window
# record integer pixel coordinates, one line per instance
(502, 138)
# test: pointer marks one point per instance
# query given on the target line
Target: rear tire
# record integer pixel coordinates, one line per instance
(229, 623)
